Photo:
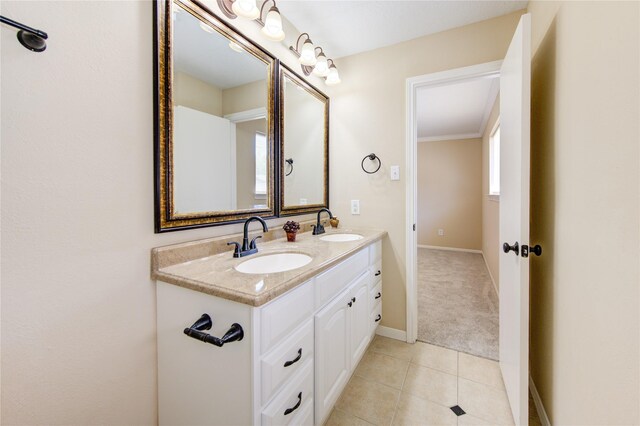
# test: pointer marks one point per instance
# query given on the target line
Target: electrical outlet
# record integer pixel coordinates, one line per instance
(355, 206)
(441, 232)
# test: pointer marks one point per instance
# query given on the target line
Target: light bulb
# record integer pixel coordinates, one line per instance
(308, 54)
(273, 25)
(333, 78)
(206, 28)
(235, 46)
(246, 9)
(322, 66)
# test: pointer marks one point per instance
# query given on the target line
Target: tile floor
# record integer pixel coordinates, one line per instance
(401, 384)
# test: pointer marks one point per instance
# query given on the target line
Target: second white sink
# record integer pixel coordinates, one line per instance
(271, 263)
(341, 237)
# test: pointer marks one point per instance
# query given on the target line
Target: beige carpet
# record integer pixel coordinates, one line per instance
(457, 303)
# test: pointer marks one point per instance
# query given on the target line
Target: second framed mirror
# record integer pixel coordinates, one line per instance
(304, 145)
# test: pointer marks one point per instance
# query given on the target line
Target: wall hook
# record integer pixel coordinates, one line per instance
(371, 157)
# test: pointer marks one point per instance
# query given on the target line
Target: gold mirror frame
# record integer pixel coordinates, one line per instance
(165, 218)
(283, 71)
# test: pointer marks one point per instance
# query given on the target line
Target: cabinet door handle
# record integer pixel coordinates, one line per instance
(378, 296)
(353, 299)
(293, 361)
(350, 304)
(295, 407)
(378, 273)
(379, 318)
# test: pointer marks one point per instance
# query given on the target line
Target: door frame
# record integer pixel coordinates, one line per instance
(442, 78)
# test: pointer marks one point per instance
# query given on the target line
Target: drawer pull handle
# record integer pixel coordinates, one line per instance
(295, 407)
(235, 332)
(293, 361)
(378, 296)
(379, 318)
(378, 273)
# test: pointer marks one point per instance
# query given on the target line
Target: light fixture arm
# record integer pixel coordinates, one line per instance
(260, 20)
(297, 48)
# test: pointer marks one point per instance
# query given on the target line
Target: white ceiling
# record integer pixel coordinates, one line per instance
(208, 56)
(455, 111)
(347, 27)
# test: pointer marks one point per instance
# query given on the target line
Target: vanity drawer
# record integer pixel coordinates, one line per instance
(336, 279)
(280, 317)
(375, 252)
(376, 273)
(376, 316)
(293, 399)
(375, 296)
(286, 359)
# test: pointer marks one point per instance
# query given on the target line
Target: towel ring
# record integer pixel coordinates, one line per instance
(289, 161)
(371, 157)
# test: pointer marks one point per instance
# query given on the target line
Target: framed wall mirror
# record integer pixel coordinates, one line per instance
(304, 145)
(214, 121)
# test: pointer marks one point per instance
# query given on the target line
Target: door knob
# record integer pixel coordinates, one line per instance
(515, 248)
(537, 250)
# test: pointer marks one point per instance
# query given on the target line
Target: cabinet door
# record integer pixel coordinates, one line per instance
(333, 354)
(359, 321)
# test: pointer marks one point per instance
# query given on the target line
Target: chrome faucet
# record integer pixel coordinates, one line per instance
(318, 228)
(248, 247)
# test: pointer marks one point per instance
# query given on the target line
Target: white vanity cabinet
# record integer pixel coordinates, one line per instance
(297, 354)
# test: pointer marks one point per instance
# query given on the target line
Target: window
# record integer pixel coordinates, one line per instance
(261, 164)
(494, 162)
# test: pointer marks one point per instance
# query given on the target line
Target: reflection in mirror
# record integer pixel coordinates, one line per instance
(220, 126)
(304, 145)
(215, 121)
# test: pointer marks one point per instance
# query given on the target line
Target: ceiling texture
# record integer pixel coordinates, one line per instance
(347, 27)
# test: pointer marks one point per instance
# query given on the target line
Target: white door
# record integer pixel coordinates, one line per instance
(359, 319)
(515, 95)
(332, 354)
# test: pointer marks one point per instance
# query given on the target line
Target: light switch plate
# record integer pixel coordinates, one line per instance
(395, 172)
(355, 206)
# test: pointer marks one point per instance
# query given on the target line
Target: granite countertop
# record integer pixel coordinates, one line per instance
(184, 264)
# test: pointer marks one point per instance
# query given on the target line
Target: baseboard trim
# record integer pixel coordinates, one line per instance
(495, 287)
(392, 333)
(542, 413)
(450, 249)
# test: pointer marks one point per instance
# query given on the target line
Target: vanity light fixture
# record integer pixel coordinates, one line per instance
(333, 77)
(322, 66)
(246, 9)
(272, 24)
(306, 54)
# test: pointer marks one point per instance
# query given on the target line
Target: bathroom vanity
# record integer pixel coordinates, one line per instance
(303, 330)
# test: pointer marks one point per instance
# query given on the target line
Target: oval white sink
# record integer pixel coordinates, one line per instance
(339, 238)
(270, 263)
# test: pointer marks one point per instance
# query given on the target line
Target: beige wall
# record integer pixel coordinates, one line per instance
(368, 115)
(584, 211)
(194, 93)
(246, 97)
(449, 193)
(78, 305)
(490, 207)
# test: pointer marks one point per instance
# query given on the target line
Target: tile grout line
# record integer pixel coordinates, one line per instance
(395, 410)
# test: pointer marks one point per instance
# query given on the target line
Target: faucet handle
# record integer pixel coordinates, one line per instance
(252, 245)
(236, 251)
